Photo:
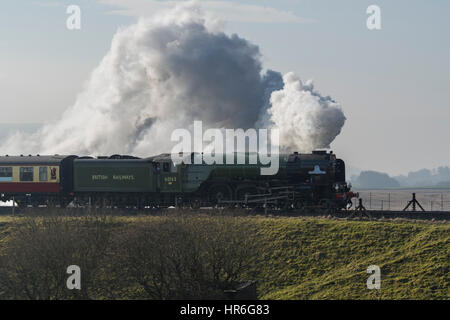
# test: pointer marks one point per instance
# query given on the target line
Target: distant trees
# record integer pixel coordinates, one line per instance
(439, 177)
(373, 179)
(418, 178)
(425, 178)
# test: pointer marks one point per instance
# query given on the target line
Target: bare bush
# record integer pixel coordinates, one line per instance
(169, 257)
(185, 258)
(34, 264)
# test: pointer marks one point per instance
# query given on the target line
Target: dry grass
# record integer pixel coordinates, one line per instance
(290, 257)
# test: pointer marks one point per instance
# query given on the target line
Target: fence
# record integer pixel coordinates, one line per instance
(396, 200)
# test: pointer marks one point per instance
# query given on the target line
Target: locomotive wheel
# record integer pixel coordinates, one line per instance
(63, 203)
(219, 193)
(195, 203)
(285, 205)
(326, 206)
(243, 191)
(299, 206)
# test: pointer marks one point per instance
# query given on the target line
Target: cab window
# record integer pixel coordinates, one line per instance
(26, 174)
(43, 174)
(166, 167)
(156, 167)
(6, 174)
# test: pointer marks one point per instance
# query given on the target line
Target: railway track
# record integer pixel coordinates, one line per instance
(370, 214)
(413, 215)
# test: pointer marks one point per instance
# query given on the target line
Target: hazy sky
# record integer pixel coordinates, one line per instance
(393, 83)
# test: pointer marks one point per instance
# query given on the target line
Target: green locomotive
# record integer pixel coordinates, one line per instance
(316, 179)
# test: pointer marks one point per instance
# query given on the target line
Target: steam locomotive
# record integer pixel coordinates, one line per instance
(303, 181)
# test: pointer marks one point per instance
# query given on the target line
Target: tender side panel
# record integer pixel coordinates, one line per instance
(113, 176)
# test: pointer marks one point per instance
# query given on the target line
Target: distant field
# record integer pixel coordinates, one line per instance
(397, 199)
(318, 258)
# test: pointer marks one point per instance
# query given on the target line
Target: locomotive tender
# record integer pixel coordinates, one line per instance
(302, 181)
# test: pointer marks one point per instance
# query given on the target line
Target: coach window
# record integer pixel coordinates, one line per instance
(43, 174)
(26, 174)
(6, 174)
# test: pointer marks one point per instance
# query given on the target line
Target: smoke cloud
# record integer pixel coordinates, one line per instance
(164, 73)
(306, 120)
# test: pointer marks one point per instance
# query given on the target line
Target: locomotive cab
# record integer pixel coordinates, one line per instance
(167, 173)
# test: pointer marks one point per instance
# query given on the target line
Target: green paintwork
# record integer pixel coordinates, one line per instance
(194, 175)
(169, 182)
(139, 175)
(113, 176)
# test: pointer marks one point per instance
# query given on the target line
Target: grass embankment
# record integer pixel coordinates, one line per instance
(328, 259)
(317, 258)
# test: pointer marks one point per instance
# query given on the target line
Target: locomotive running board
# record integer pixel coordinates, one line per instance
(262, 200)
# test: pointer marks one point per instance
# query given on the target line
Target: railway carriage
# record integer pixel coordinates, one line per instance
(35, 180)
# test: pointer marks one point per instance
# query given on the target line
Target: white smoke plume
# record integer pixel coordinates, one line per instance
(306, 120)
(164, 73)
